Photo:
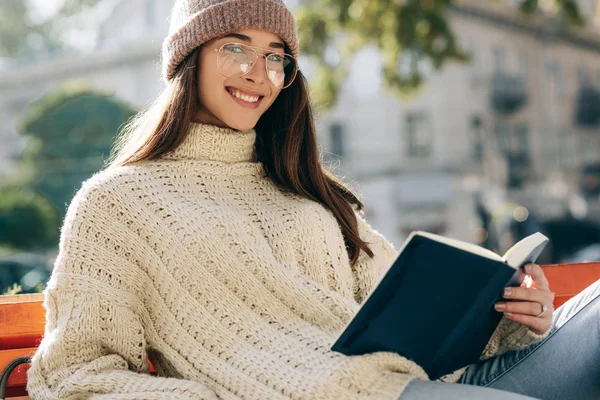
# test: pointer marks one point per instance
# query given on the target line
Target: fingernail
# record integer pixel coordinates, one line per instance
(499, 306)
(528, 267)
(508, 314)
(507, 292)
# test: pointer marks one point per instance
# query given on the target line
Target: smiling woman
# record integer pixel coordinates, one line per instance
(216, 246)
(219, 183)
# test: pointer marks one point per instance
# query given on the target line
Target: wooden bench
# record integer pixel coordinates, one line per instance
(22, 319)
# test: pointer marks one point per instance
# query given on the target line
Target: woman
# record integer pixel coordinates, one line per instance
(216, 246)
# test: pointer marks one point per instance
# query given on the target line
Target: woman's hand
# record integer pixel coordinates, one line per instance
(528, 301)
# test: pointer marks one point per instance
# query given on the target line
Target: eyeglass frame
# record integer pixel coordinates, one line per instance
(264, 55)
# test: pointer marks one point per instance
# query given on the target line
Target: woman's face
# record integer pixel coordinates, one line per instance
(236, 102)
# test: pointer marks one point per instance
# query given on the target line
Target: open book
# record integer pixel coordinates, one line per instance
(435, 305)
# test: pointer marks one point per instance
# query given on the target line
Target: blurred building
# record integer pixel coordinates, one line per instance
(124, 61)
(519, 123)
(523, 114)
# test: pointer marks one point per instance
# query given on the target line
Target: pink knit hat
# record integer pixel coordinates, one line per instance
(194, 22)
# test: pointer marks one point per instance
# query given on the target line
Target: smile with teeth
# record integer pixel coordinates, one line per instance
(242, 96)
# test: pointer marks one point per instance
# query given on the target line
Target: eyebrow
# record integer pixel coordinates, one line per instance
(274, 45)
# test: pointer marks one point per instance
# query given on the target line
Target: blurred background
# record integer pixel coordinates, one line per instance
(475, 119)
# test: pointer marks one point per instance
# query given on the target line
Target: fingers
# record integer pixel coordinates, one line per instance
(523, 307)
(538, 326)
(528, 294)
(538, 276)
(527, 305)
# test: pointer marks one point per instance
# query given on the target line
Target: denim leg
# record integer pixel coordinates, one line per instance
(565, 365)
(435, 390)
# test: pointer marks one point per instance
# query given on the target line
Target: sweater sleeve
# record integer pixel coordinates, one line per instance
(511, 336)
(94, 343)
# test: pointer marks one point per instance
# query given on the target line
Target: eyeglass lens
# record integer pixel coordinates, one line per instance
(236, 59)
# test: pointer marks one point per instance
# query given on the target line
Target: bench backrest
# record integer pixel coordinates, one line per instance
(22, 318)
(566, 280)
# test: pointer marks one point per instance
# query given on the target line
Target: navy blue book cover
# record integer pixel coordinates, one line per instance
(435, 306)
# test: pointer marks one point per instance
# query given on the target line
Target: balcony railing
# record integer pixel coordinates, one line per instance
(508, 93)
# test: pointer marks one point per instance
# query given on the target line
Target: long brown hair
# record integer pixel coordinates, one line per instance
(286, 144)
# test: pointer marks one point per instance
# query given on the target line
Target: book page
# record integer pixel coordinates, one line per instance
(469, 247)
(526, 250)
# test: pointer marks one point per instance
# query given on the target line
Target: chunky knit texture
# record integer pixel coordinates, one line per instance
(233, 287)
(195, 22)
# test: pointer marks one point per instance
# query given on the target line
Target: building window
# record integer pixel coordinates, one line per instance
(499, 58)
(336, 140)
(512, 139)
(419, 136)
(560, 81)
(557, 77)
(566, 147)
(524, 67)
(150, 13)
(502, 134)
(583, 76)
(477, 132)
(520, 140)
(475, 62)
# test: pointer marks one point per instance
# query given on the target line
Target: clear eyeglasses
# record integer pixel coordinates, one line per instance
(236, 60)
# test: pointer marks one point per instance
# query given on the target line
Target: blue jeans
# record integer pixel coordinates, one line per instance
(564, 366)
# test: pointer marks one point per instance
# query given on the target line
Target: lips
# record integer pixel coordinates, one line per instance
(245, 96)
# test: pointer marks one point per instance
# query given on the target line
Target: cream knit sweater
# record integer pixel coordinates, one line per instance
(232, 287)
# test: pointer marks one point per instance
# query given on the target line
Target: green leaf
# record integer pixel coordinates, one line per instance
(397, 27)
(27, 219)
(13, 290)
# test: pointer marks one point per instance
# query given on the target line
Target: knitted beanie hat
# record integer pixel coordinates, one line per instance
(194, 22)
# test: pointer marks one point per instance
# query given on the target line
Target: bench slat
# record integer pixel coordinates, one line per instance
(22, 321)
(22, 298)
(566, 280)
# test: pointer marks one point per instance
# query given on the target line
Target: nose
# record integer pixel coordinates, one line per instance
(258, 72)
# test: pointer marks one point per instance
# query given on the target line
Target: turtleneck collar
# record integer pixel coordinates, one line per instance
(212, 143)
